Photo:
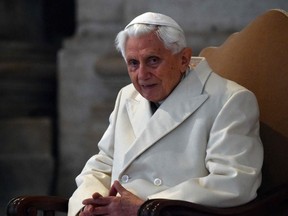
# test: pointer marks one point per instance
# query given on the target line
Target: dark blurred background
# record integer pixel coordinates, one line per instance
(31, 33)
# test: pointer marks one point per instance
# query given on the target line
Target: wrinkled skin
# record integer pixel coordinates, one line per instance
(124, 204)
(153, 69)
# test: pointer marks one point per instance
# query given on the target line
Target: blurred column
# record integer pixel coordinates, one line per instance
(90, 75)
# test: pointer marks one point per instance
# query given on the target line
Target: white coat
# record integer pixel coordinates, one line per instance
(201, 145)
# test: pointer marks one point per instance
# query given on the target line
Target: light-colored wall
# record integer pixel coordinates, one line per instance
(91, 72)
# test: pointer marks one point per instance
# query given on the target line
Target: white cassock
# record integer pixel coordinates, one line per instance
(201, 145)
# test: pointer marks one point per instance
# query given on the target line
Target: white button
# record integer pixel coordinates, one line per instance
(125, 178)
(157, 181)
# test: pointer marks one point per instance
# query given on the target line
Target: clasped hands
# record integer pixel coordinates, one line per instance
(112, 205)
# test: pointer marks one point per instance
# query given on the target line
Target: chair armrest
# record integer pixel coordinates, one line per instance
(272, 203)
(29, 205)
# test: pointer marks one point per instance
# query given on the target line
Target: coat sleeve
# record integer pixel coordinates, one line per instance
(96, 174)
(234, 158)
(95, 177)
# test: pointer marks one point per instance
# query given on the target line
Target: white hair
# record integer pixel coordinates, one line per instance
(172, 38)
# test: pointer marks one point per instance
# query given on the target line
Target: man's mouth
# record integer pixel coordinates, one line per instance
(148, 86)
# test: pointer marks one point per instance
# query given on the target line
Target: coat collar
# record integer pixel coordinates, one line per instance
(148, 128)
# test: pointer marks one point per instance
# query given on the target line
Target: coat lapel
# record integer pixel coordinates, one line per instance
(150, 128)
(139, 113)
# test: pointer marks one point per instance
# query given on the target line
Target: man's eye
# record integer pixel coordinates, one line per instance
(133, 63)
(153, 60)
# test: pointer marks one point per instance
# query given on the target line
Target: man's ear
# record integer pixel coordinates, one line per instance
(186, 55)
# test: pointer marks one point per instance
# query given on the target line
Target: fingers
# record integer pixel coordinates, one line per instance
(90, 201)
(101, 206)
(113, 191)
(87, 210)
(96, 195)
(97, 202)
(118, 188)
(92, 211)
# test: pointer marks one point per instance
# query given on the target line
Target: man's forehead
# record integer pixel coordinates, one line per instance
(135, 47)
(147, 41)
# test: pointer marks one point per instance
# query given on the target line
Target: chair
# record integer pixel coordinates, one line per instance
(257, 58)
(32, 205)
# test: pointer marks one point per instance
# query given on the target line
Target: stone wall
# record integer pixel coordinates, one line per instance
(91, 72)
(29, 39)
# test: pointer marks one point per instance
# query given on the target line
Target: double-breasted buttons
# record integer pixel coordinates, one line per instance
(157, 182)
(125, 178)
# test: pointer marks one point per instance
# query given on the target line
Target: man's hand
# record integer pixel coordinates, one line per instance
(123, 205)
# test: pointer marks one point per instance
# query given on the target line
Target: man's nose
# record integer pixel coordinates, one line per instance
(143, 72)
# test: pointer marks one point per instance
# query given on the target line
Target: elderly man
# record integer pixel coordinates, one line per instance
(177, 132)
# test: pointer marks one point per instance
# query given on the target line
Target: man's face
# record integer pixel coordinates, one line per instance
(153, 69)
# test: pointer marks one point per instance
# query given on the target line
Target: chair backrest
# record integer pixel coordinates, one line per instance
(257, 58)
